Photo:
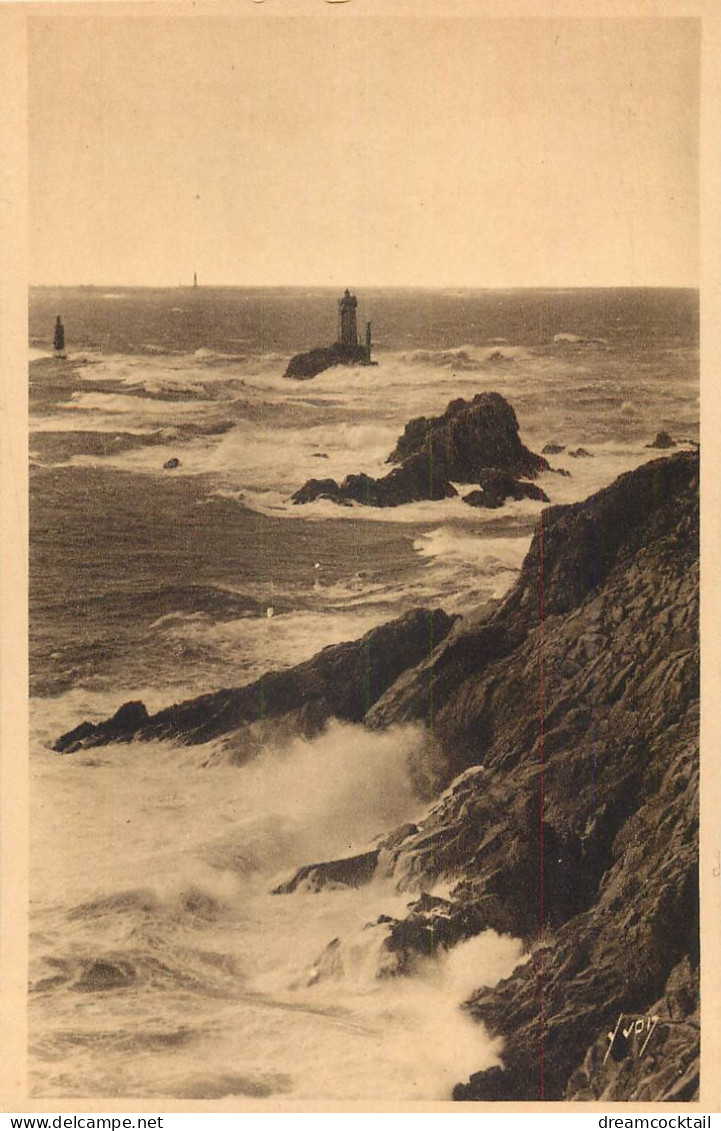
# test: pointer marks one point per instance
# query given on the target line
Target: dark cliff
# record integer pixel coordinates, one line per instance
(567, 724)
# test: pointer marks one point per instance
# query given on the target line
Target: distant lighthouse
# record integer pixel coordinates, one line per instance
(59, 338)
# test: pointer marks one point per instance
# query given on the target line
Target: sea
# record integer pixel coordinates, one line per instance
(162, 966)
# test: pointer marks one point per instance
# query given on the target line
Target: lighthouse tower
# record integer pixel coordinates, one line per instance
(59, 339)
(347, 329)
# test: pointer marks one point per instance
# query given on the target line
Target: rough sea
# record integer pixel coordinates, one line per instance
(161, 965)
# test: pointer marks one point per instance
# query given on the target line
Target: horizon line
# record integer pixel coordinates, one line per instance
(375, 286)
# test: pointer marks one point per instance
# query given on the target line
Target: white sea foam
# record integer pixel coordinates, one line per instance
(282, 426)
(261, 644)
(472, 548)
(189, 858)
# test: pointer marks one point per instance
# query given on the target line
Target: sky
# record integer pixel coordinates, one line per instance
(347, 150)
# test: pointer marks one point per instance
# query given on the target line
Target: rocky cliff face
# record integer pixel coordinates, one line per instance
(567, 725)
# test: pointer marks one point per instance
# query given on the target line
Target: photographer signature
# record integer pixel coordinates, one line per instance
(619, 1038)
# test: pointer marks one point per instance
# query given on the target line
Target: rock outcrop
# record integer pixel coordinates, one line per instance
(303, 366)
(340, 682)
(566, 723)
(662, 441)
(497, 486)
(414, 481)
(468, 437)
(470, 440)
(349, 871)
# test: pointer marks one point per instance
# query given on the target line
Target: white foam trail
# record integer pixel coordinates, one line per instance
(454, 545)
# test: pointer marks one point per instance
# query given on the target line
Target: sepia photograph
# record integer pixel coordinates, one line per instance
(363, 437)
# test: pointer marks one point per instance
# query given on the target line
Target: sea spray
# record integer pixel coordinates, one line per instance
(181, 938)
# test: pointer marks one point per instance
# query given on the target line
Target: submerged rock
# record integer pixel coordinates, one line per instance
(171, 464)
(552, 449)
(103, 974)
(318, 489)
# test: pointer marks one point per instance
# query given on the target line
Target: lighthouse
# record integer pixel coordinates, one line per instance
(346, 349)
(347, 329)
(59, 338)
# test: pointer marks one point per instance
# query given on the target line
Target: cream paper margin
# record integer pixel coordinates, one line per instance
(14, 794)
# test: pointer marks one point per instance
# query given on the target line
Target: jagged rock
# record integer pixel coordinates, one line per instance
(552, 449)
(306, 365)
(73, 739)
(399, 834)
(120, 728)
(350, 871)
(170, 464)
(609, 904)
(581, 453)
(481, 498)
(581, 544)
(414, 481)
(429, 927)
(468, 437)
(342, 681)
(663, 440)
(497, 1085)
(497, 486)
(318, 489)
